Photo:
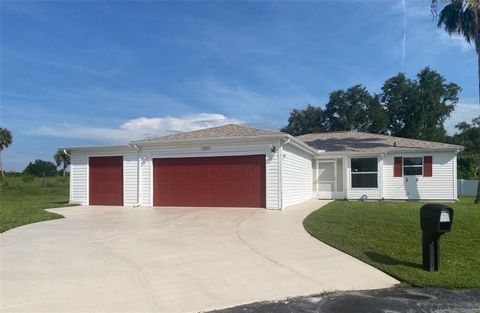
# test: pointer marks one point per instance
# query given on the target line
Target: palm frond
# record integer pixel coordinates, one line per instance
(458, 17)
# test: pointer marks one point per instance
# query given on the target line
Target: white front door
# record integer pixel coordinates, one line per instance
(326, 182)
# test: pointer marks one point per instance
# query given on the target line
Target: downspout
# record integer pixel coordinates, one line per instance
(69, 180)
(280, 160)
(136, 205)
(382, 181)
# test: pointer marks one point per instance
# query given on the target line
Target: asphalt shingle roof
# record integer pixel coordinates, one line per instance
(230, 130)
(350, 141)
(346, 141)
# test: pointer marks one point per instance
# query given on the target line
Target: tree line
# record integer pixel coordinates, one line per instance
(410, 108)
(39, 168)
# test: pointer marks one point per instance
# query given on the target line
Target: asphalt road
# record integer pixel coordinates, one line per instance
(431, 300)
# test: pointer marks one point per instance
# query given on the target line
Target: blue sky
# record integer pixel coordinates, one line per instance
(93, 73)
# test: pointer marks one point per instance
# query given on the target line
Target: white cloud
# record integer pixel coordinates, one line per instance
(454, 40)
(136, 128)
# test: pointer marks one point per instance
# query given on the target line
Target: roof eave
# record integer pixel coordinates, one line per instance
(391, 151)
(426, 149)
(146, 143)
(300, 144)
(97, 148)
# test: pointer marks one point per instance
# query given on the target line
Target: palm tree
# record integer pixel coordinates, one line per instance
(5, 141)
(462, 17)
(61, 157)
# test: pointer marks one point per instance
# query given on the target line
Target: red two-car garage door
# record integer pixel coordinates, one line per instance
(234, 181)
(105, 180)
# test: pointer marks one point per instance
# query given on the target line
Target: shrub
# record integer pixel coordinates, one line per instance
(41, 168)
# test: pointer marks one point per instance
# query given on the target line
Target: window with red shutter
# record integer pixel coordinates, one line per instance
(427, 166)
(397, 167)
(413, 166)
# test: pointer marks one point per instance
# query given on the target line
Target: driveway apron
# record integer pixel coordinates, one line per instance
(123, 259)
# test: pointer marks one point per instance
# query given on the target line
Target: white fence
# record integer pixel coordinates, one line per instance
(467, 187)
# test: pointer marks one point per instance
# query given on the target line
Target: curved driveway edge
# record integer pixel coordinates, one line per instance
(119, 259)
(286, 243)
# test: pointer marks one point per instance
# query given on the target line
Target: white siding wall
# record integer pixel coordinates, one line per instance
(273, 179)
(129, 179)
(78, 178)
(297, 173)
(145, 174)
(440, 186)
(79, 169)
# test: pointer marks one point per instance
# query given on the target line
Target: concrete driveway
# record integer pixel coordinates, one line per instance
(115, 259)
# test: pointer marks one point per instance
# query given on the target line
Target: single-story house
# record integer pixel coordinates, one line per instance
(238, 166)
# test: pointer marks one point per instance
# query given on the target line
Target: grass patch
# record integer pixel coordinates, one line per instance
(387, 235)
(24, 198)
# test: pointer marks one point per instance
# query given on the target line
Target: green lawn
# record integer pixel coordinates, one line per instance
(23, 199)
(387, 235)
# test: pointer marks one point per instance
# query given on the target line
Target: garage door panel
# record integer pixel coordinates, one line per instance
(106, 180)
(211, 181)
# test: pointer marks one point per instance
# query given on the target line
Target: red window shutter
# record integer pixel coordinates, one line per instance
(398, 167)
(427, 166)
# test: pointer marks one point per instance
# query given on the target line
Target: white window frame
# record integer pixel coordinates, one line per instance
(411, 166)
(352, 172)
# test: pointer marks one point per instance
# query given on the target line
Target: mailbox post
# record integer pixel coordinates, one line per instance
(435, 220)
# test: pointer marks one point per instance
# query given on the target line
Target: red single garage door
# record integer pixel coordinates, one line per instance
(236, 181)
(105, 180)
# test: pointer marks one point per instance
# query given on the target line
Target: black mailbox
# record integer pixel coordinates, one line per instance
(435, 220)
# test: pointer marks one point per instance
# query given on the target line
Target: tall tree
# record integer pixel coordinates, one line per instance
(411, 108)
(462, 17)
(397, 94)
(304, 121)
(376, 117)
(61, 158)
(5, 141)
(345, 108)
(418, 108)
(469, 159)
(355, 109)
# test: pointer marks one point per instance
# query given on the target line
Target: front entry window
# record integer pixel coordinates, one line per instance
(364, 173)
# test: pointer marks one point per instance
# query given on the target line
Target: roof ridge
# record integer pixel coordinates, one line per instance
(229, 130)
(368, 142)
(379, 135)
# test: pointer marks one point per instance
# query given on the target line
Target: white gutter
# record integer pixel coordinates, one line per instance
(301, 145)
(385, 152)
(138, 174)
(69, 180)
(280, 174)
(96, 148)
